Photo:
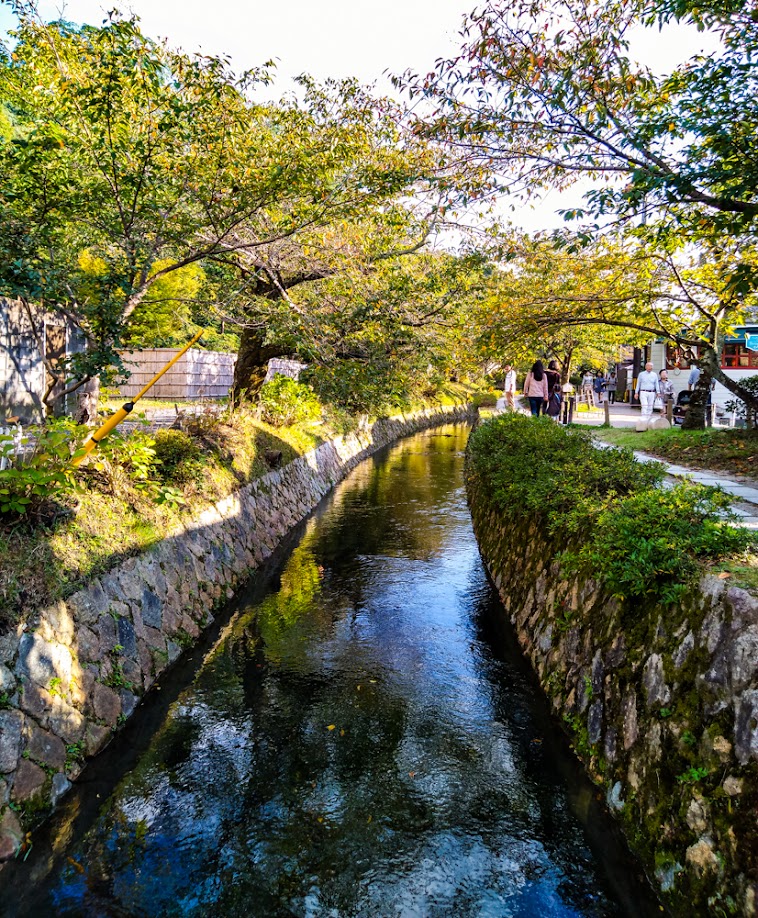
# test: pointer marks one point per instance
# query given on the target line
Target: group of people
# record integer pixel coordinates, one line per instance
(599, 387)
(652, 386)
(542, 388)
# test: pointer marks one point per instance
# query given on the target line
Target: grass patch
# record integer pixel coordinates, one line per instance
(734, 451)
(743, 571)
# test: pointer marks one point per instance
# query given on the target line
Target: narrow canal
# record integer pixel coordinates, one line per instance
(361, 739)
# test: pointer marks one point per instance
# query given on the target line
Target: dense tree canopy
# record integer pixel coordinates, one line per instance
(135, 173)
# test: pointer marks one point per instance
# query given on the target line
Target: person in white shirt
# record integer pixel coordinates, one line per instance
(509, 388)
(648, 387)
(694, 376)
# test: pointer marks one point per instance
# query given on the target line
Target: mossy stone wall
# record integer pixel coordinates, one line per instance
(661, 704)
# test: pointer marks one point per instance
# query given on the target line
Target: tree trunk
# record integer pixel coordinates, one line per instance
(695, 418)
(566, 366)
(250, 369)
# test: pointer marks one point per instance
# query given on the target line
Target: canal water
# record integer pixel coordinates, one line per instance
(362, 738)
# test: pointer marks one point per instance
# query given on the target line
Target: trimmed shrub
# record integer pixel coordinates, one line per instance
(605, 512)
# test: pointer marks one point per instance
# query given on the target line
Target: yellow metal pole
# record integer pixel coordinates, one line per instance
(115, 419)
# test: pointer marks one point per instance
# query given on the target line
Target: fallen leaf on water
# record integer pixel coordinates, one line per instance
(357, 688)
(331, 726)
(369, 819)
(342, 732)
(75, 864)
(411, 774)
(724, 574)
(537, 741)
(321, 819)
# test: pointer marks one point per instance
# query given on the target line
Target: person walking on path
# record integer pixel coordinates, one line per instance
(553, 408)
(509, 387)
(694, 376)
(648, 387)
(553, 375)
(598, 387)
(535, 388)
(610, 388)
(587, 382)
(666, 388)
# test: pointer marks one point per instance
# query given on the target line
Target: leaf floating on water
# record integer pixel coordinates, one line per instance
(411, 774)
(537, 741)
(342, 732)
(369, 819)
(75, 864)
(332, 727)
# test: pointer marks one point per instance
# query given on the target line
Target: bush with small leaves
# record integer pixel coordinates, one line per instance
(179, 456)
(285, 401)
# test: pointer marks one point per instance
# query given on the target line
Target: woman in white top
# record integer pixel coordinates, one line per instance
(535, 388)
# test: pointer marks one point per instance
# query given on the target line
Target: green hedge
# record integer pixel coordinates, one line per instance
(607, 515)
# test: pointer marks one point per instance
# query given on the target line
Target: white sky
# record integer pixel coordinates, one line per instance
(339, 38)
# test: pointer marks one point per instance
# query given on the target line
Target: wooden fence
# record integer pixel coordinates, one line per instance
(198, 374)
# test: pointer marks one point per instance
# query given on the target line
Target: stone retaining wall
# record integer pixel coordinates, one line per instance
(77, 673)
(661, 704)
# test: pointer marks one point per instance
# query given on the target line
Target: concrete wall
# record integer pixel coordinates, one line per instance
(661, 704)
(69, 680)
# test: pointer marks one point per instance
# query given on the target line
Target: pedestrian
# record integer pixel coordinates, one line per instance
(598, 387)
(587, 382)
(648, 387)
(611, 387)
(553, 375)
(666, 388)
(535, 388)
(694, 376)
(509, 387)
(554, 403)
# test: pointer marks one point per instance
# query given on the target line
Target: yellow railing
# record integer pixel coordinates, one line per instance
(125, 410)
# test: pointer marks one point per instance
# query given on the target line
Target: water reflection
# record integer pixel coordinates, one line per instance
(353, 745)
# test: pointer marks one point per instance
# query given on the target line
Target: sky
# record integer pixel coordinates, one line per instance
(340, 38)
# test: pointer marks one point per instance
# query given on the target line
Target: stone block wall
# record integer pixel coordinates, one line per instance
(71, 678)
(661, 704)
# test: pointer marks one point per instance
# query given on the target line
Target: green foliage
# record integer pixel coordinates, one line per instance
(134, 453)
(653, 542)
(180, 458)
(693, 775)
(42, 471)
(603, 508)
(285, 401)
(486, 398)
(737, 405)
